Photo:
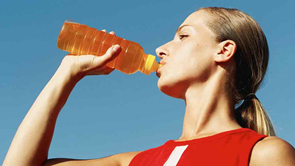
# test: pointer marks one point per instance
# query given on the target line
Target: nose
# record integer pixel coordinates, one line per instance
(162, 51)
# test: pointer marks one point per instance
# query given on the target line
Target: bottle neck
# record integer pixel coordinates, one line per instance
(148, 64)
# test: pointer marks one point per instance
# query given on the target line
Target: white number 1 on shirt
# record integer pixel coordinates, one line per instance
(175, 155)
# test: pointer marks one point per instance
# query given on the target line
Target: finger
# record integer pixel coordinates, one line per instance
(111, 54)
(101, 71)
(112, 33)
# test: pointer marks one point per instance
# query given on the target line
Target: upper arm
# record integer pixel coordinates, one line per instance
(273, 151)
(122, 159)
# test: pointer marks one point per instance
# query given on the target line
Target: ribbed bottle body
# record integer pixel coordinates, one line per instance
(81, 39)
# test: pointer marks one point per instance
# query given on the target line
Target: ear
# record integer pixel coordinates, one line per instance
(225, 51)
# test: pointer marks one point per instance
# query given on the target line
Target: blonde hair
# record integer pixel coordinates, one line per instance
(251, 60)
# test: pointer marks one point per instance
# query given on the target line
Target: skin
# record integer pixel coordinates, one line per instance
(195, 68)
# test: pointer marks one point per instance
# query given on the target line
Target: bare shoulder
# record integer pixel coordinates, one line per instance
(125, 158)
(272, 151)
(122, 159)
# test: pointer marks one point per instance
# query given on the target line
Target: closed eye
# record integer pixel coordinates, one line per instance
(182, 36)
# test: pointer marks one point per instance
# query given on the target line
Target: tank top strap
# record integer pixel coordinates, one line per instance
(247, 145)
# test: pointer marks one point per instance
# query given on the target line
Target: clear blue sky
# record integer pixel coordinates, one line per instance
(118, 113)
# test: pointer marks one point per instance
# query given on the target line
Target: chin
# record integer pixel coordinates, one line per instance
(171, 88)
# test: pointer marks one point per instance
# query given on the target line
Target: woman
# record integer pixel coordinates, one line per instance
(217, 59)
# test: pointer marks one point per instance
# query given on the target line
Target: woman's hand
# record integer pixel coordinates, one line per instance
(79, 66)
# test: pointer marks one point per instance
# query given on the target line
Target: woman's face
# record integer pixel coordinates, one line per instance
(188, 59)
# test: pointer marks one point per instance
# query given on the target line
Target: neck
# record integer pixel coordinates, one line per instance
(209, 110)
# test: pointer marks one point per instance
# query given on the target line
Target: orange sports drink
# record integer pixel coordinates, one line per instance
(81, 39)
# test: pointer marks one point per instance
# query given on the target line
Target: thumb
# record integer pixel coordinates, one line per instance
(111, 54)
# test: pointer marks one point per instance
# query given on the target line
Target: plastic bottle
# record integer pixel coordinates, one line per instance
(81, 39)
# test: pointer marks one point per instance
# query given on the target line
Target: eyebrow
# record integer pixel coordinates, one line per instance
(179, 29)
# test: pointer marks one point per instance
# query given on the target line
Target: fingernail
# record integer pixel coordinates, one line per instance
(116, 48)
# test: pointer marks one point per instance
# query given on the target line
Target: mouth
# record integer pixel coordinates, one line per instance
(158, 72)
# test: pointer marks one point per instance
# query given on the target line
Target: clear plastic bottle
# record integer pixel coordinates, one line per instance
(81, 39)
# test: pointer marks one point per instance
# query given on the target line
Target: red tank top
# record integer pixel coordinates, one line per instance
(230, 148)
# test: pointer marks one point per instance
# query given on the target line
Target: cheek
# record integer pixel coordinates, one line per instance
(188, 65)
(199, 62)
(189, 62)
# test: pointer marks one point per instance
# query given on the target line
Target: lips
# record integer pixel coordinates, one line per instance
(162, 62)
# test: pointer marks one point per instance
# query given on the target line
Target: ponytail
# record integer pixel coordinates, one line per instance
(252, 115)
(251, 58)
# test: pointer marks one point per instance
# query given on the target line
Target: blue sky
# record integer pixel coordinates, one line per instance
(119, 113)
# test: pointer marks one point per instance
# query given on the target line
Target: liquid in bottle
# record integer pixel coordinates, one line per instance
(81, 39)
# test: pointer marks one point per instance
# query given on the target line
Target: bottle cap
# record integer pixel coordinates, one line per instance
(150, 64)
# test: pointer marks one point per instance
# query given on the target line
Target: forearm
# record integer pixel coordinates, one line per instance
(32, 140)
